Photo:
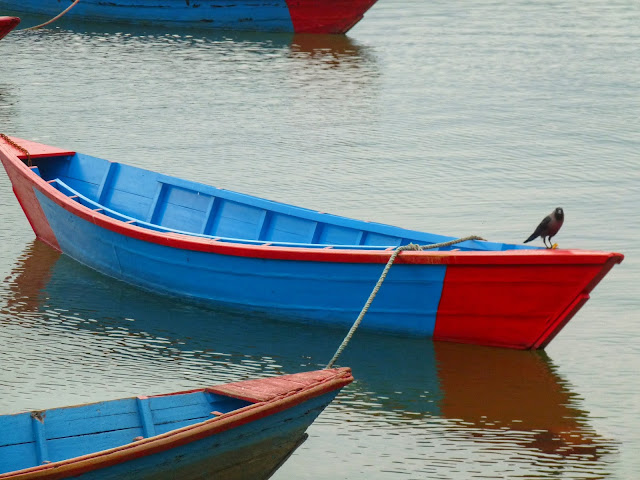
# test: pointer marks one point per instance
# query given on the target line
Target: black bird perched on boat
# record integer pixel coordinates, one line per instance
(548, 227)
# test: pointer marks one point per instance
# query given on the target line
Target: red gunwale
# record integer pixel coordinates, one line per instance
(310, 386)
(187, 242)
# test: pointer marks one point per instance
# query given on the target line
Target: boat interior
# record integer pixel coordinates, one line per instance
(34, 438)
(163, 203)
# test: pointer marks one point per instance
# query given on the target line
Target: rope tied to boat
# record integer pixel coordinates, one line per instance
(383, 275)
(17, 147)
(54, 18)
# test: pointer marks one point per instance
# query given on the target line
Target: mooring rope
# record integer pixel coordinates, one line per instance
(17, 147)
(54, 18)
(392, 258)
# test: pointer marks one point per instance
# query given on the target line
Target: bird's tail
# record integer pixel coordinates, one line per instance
(533, 235)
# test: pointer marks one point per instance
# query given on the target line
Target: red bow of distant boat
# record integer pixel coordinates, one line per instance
(7, 24)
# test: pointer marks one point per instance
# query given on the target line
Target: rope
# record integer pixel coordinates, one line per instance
(17, 147)
(387, 267)
(54, 18)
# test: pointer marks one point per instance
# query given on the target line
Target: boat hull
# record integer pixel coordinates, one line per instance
(253, 451)
(261, 423)
(7, 24)
(517, 298)
(299, 16)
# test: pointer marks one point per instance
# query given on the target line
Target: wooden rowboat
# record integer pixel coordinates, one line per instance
(295, 16)
(232, 431)
(7, 24)
(198, 242)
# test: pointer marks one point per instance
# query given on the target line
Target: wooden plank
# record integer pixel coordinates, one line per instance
(338, 235)
(16, 457)
(92, 418)
(238, 220)
(167, 427)
(35, 149)
(317, 233)
(85, 174)
(146, 418)
(68, 447)
(288, 228)
(177, 408)
(262, 223)
(39, 437)
(15, 429)
(265, 389)
(209, 215)
(151, 215)
(107, 181)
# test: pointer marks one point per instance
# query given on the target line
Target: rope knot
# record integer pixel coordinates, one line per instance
(410, 246)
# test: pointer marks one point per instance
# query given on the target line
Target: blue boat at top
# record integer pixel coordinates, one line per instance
(295, 16)
(242, 430)
(206, 244)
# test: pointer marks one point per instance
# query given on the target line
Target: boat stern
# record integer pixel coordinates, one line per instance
(17, 155)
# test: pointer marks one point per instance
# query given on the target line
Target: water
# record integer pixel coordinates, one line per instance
(473, 117)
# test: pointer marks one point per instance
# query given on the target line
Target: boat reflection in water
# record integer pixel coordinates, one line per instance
(479, 395)
(301, 45)
(331, 50)
(516, 391)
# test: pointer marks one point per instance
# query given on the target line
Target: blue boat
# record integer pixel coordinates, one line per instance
(236, 430)
(206, 244)
(294, 16)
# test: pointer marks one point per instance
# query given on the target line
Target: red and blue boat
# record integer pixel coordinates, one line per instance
(236, 430)
(294, 16)
(205, 244)
(7, 24)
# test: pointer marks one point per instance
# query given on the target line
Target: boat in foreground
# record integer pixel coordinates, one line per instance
(236, 430)
(294, 16)
(206, 244)
(7, 24)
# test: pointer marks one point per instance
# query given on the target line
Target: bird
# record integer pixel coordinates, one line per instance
(548, 227)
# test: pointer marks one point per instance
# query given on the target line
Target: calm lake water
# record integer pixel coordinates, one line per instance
(470, 117)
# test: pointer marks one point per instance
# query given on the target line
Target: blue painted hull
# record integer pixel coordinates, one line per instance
(220, 14)
(306, 16)
(280, 289)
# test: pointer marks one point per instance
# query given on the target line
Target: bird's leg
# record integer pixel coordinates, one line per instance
(544, 240)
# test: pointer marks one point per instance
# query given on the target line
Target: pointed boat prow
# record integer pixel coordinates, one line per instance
(7, 24)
